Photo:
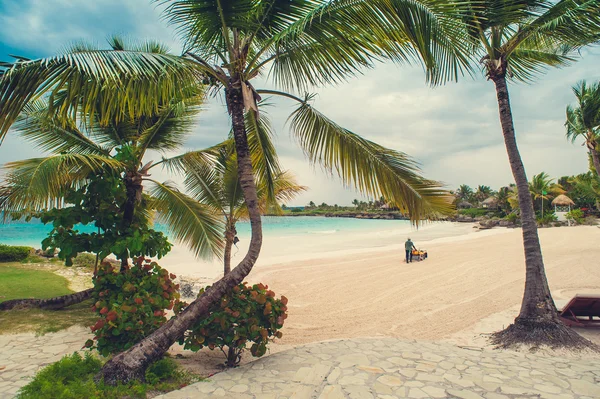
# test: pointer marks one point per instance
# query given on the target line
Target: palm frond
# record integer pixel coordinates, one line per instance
(198, 226)
(120, 83)
(34, 184)
(37, 126)
(372, 169)
(526, 64)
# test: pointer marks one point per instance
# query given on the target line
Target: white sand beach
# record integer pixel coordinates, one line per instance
(471, 283)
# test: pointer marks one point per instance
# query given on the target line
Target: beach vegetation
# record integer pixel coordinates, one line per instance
(18, 281)
(11, 253)
(72, 377)
(247, 317)
(130, 304)
(575, 215)
(583, 119)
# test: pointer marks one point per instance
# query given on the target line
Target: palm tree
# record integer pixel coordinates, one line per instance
(584, 119)
(215, 183)
(542, 188)
(79, 152)
(503, 196)
(465, 193)
(482, 193)
(355, 202)
(516, 40)
(229, 44)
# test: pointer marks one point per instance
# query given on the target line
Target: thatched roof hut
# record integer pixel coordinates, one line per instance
(562, 200)
(464, 205)
(490, 202)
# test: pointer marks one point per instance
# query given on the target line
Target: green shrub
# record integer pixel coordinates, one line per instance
(575, 215)
(86, 260)
(131, 304)
(72, 377)
(547, 219)
(247, 315)
(512, 217)
(9, 253)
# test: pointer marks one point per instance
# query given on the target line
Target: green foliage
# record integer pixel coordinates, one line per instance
(575, 215)
(131, 304)
(72, 377)
(100, 202)
(249, 315)
(85, 260)
(9, 253)
(547, 219)
(512, 217)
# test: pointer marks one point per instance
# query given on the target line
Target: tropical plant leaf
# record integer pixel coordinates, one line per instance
(196, 225)
(372, 169)
(37, 183)
(122, 82)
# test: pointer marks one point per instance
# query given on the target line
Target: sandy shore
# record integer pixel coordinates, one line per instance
(469, 284)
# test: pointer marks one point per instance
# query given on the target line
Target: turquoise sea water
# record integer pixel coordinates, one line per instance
(32, 233)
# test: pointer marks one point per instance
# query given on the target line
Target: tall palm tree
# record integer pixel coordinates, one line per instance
(583, 120)
(228, 44)
(465, 193)
(482, 193)
(515, 40)
(543, 188)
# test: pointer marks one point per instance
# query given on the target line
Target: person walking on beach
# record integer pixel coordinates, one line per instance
(408, 246)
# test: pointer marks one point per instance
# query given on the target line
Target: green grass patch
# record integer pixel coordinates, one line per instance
(72, 377)
(46, 321)
(21, 282)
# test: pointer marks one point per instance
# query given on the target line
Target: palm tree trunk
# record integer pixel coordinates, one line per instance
(596, 160)
(229, 236)
(133, 192)
(537, 322)
(55, 303)
(131, 364)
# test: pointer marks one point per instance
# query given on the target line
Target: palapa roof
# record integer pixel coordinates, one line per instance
(490, 201)
(464, 204)
(562, 200)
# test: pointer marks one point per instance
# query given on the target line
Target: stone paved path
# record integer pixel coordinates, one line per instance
(388, 368)
(22, 355)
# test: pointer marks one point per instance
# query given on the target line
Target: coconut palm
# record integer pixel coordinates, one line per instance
(583, 120)
(77, 153)
(215, 182)
(516, 40)
(482, 193)
(465, 193)
(228, 44)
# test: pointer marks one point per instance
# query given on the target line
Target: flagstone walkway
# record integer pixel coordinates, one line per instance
(388, 368)
(22, 355)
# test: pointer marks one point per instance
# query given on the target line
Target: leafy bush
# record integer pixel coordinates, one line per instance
(131, 304)
(9, 253)
(72, 377)
(512, 217)
(248, 314)
(547, 219)
(575, 215)
(85, 260)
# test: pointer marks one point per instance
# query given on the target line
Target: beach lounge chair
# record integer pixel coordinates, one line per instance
(419, 255)
(581, 311)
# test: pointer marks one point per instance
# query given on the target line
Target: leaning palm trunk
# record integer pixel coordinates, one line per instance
(537, 322)
(55, 303)
(595, 157)
(131, 364)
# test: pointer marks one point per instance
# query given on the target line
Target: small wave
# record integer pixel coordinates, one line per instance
(323, 232)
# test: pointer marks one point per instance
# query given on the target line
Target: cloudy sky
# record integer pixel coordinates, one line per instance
(453, 130)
